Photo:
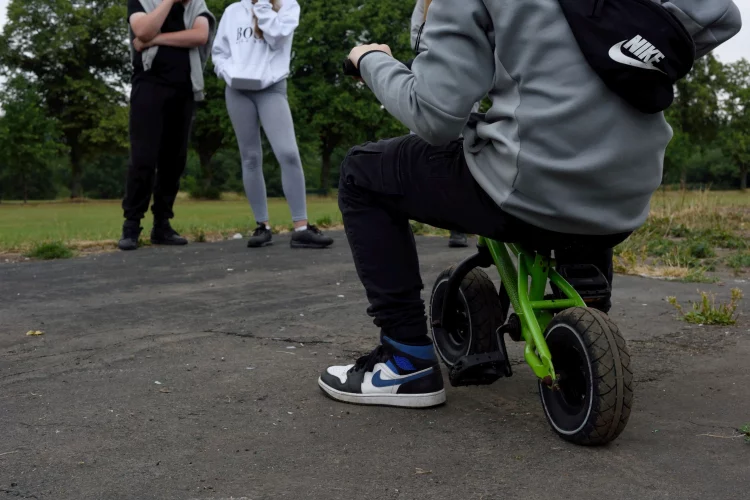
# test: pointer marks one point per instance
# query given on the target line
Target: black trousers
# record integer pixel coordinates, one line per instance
(386, 184)
(160, 121)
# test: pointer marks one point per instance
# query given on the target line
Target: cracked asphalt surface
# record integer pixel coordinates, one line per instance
(190, 373)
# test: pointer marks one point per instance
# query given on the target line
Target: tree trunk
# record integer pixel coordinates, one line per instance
(205, 159)
(207, 189)
(76, 164)
(743, 178)
(683, 179)
(325, 170)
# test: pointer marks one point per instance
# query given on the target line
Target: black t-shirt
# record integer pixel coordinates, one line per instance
(171, 65)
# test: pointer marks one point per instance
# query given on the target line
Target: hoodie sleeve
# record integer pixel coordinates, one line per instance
(277, 26)
(710, 22)
(435, 99)
(221, 52)
(417, 19)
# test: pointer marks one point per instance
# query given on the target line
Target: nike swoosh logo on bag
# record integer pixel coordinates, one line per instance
(379, 382)
(615, 53)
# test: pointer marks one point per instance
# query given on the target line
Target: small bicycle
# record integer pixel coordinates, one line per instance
(588, 392)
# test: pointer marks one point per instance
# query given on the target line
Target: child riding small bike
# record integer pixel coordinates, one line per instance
(567, 157)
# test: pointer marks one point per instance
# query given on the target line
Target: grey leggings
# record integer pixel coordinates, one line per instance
(248, 110)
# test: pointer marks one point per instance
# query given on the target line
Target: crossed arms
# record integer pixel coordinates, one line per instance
(146, 29)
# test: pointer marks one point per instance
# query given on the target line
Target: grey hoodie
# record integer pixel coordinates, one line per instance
(198, 55)
(418, 43)
(557, 148)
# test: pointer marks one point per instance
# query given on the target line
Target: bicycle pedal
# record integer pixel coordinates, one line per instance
(479, 369)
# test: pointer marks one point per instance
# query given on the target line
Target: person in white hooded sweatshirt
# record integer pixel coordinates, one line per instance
(252, 53)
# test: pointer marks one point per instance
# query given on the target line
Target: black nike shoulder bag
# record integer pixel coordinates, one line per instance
(637, 47)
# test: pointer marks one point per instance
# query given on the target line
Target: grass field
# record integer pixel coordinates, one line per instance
(98, 223)
(687, 235)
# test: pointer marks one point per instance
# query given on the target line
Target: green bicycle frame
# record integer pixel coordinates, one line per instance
(526, 288)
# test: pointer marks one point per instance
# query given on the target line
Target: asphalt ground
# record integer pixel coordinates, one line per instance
(191, 373)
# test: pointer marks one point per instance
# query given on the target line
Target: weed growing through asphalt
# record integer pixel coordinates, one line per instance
(738, 261)
(707, 312)
(745, 431)
(50, 251)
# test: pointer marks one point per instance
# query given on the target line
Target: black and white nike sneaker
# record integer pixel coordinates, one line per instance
(393, 374)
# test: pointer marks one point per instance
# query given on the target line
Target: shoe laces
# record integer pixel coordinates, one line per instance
(368, 361)
(314, 229)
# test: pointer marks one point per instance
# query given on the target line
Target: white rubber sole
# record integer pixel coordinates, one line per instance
(399, 400)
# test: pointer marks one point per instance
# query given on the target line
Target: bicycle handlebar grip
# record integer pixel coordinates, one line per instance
(350, 69)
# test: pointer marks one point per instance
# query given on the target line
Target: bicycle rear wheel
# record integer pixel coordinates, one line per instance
(478, 316)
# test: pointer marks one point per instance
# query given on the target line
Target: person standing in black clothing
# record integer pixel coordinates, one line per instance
(166, 36)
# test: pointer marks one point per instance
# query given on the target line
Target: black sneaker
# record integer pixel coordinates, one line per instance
(131, 231)
(163, 234)
(262, 237)
(312, 237)
(458, 240)
(392, 375)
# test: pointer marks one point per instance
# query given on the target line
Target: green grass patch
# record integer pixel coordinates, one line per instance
(720, 237)
(418, 228)
(708, 312)
(324, 222)
(421, 229)
(738, 261)
(699, 276)
(50, 251)
(660, 247)
(200, 237)
(700, 249)
(680, 231)
(83, 223)
(680, 240)
(689, 234)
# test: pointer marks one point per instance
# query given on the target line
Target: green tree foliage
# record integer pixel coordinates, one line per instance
(331, 112)
(695, 111)
(74, 52)
(736, 140)
(336, 110)
(67, 70)
(31, 143)
(104, 176)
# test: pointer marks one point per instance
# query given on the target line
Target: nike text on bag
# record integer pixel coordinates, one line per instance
(637, 47)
